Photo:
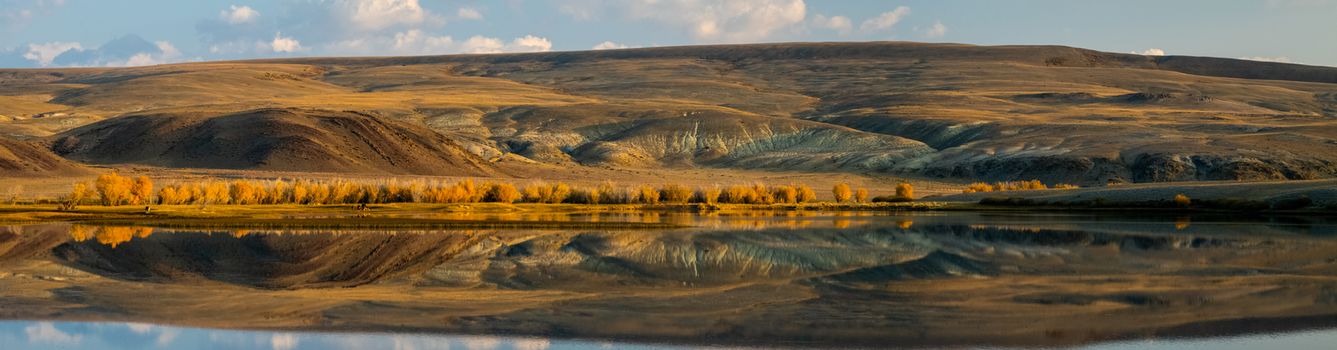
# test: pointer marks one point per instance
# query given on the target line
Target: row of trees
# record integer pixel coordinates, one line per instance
(113, 189)
(1013, 186)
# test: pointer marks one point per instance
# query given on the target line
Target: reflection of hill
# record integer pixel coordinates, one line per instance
(529, 259)
(946, 278)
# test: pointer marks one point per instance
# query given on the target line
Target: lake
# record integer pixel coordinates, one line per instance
(754, 279)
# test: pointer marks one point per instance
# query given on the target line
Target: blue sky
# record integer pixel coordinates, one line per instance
(52, 33)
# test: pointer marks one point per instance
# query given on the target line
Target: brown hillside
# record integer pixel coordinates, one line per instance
(26, 159)
(1054, 113)
(271, 139)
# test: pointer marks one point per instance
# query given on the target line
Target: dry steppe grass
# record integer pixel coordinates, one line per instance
(1002, 113)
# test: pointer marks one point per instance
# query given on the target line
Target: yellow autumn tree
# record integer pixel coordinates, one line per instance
(676, 193)
(81, 192)
(141, 191)
(503, 193)
(113, 189)
(805, 193)
(710, 195)
(905, 191)
(841, 192)
(785, 194)
(214, 193)
(861, 195)
(1182, 201)
(647, 195)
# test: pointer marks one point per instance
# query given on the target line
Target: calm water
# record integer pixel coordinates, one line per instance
(759, 280)
(74, 335)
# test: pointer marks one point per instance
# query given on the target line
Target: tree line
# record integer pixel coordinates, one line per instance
(112, 189)
(1013, 186)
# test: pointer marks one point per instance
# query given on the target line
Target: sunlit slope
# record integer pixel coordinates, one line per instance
(24, 159)
(939, 110)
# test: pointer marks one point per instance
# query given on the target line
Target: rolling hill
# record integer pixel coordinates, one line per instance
(1053, 113)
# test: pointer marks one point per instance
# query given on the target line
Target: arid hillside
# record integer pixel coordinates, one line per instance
(1053, 113)
(21, 159)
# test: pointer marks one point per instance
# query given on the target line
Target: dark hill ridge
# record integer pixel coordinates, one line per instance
(271, 139)
(1045, 55)
(1053, 113)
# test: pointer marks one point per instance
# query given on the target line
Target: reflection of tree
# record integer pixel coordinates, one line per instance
(905, 224)
(82, 233)
(1182, 223)
(109, 235)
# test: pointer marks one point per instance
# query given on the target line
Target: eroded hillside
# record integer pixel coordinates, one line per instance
(932, 110)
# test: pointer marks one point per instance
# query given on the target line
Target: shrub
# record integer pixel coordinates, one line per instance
(785, 194)
(737, 195)
(708, 196)
(978, 187)
(647, 195)
(674, 193)
(584, 196)
(503, 193)
(861, 195)
(763, 195)
(890, 199)
(805, 193)
(1182, 201)
(841, 192)
(905, 191)
(611, 194)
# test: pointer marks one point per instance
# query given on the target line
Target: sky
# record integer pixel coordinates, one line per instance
(62, 33)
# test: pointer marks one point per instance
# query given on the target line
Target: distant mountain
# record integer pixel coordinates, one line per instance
(1053, 113)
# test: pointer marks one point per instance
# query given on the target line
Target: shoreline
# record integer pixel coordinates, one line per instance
(492, 215)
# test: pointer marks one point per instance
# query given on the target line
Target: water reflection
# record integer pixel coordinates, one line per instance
(111, 336)
(117, 336)
(784, 278)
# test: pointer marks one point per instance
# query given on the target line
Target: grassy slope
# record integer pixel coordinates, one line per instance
(921, 110)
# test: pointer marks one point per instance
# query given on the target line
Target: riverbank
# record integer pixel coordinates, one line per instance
(481, 213)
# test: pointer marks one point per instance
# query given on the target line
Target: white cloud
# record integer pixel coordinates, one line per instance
(1150, 52)
(239, 15)
(46, 333)
(529, 43)
(284, 44)
(840, 24)
(469, 13)
(415, 42)
(936, 31)
(1279, 59)
(380, 14)
(705, 20)
(482, 44)
(886, 20)
(167, 53)
(43, 54)
(608, 45)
